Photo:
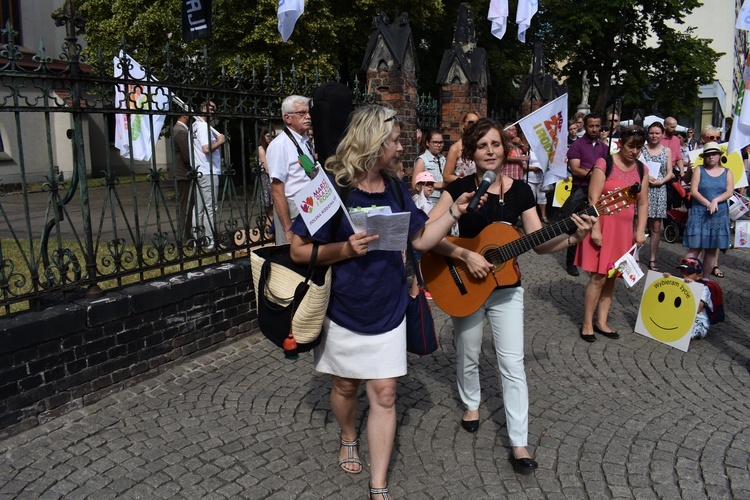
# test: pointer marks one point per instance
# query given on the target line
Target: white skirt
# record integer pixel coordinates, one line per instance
(362, 356)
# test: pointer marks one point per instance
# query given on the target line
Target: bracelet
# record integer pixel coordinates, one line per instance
(452, 214)
(569, 241)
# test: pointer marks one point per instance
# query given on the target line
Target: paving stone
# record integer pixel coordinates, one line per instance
(630, 418)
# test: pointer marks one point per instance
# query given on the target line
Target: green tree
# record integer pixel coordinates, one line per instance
(631, 41)
(331, 36)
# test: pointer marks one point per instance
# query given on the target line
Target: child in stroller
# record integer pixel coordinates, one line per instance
(677, 217)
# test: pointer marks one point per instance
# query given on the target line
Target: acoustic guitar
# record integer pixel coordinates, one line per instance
(458, 293)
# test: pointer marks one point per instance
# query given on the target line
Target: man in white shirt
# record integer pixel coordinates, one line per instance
(206, 149)
(282, 159)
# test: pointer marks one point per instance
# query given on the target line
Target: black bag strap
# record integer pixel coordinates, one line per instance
(610, 164)
(294, 141)
(299, 292)
(402, 206)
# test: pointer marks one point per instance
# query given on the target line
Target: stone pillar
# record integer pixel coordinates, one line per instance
(391, 66)
(463, 76)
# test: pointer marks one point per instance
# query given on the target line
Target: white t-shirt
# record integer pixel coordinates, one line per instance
(201, 134)
(535, 176)
(283, 163)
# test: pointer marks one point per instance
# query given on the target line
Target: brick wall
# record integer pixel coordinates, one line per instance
(74, 354)
(397, 88)
(455, 100)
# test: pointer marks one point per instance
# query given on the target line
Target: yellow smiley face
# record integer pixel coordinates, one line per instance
(562, 190)
(668, 309)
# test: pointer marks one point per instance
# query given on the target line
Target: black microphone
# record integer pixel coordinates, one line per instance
(487, 180)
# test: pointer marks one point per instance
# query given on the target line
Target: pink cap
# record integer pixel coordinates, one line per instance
(425, 177)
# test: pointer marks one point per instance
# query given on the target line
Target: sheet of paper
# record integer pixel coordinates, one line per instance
(359, 216)
(653, 168)
(392, 230)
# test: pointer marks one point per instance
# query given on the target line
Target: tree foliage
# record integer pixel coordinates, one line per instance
(609, 39)
(331, 36)
(633, 42)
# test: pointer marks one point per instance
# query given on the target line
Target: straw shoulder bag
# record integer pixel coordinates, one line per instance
(292, 298)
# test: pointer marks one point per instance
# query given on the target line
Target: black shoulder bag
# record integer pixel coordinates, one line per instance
(421, 337)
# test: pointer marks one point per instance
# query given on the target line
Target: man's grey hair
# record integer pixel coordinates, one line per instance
(287, 106)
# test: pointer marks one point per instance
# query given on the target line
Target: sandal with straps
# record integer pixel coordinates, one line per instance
(717, 272)
(379, 493)
(350, 458)
(652, 265)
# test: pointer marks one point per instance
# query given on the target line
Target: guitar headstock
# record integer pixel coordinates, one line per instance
(615, 201)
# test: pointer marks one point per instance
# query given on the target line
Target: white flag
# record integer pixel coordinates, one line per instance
(546, 130)
(289, 12)
(743, 18)
(139, 125)
(740, 136)
(498, 14)
(526, 10)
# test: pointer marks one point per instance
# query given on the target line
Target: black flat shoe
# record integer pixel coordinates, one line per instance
(523, 465)
(470, 425)
(611, 335)
(587, 338)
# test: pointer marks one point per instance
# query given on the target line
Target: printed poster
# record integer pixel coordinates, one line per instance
(318, 201)
(668, 309)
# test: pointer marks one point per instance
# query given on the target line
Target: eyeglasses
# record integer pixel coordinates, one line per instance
(437, 142)
(300, 113)
(713, 137)
(470, 123)
(391, 118)
(632, 132)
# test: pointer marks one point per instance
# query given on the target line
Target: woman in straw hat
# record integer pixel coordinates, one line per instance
(708, 224)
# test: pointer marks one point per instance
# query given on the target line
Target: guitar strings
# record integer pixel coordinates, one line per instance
(510, 250)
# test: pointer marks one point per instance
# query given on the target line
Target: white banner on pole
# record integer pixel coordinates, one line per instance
(526, 10)
(546, 129)
(498, 15)
(289, 12)
(139, 125)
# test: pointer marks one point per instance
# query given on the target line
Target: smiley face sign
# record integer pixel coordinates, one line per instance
(562, 192)
(668, 309)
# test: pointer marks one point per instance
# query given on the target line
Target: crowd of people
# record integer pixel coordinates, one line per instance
(363, 336)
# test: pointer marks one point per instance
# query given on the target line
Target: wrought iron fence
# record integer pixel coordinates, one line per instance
(75, 215)
(427, 112)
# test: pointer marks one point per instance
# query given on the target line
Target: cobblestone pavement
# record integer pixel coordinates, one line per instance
(628, 418)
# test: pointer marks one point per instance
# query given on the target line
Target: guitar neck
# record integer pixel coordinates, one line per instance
(515, 248)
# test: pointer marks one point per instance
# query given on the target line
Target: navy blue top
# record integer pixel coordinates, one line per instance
(368, 293)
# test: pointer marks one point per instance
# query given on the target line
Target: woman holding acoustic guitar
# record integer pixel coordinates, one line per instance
(507, 200)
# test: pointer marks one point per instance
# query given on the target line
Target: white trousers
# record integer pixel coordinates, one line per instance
(504, 312)
(208, 186)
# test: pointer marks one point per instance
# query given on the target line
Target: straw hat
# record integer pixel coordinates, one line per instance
(710, 147)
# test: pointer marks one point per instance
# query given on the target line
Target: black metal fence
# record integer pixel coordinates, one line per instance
(76, 216)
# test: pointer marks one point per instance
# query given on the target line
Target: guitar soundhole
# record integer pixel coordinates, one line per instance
(490, 253)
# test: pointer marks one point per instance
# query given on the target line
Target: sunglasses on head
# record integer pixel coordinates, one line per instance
(633, 132)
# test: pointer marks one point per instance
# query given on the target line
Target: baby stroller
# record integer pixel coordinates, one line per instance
(675, 225)
(677, 218)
